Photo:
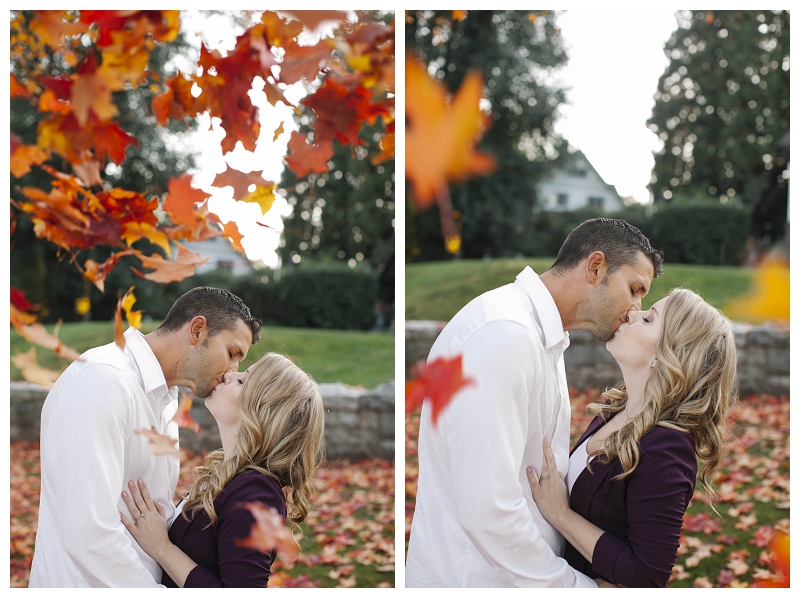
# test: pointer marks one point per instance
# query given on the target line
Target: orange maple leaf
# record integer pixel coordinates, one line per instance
(17, 89)
(269, 532)
(438, 382)
(97, 272)
(441, 134)
(24, 156)
(170, 271)
(312, 18)
(231, 230)
(93, 91)
(240, 181)
(306, 158)
(160, 444)
(50, 27)
(182, 199)
(35, 333)
(277, 133)
(305, 62)
(135, 230)
(182, 416)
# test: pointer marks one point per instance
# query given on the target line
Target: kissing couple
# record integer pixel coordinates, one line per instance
(106, 514)
(501, 499)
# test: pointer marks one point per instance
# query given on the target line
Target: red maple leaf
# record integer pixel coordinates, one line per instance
(306, 158)
(438, 382)
(269, 532)
(341, 112)
(182, 416)
(304, 62)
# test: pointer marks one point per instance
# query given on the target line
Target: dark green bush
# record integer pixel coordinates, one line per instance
(701, 233)
(329, 297)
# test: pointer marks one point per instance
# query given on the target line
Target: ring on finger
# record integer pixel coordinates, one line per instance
(141, 516)
(545, 477)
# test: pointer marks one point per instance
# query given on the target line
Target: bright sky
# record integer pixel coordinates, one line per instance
(615, 60)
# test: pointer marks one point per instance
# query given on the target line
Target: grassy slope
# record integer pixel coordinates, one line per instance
(437, 290)
(355, 358)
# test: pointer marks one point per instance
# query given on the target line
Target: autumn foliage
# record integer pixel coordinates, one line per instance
(349, 80)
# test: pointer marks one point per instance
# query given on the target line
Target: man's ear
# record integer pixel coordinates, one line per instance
(595, 267)
(198, 330)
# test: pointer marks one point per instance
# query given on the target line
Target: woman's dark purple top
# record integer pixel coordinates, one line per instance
(221, 563)
(641, 514)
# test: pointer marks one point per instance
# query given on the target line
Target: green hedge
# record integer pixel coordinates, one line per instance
(701, 233)
(329, 297)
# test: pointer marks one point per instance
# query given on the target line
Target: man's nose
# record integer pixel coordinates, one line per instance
(637, 304)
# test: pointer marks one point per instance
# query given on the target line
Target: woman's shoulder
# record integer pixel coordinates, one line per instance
(253, 485)
(665, 444)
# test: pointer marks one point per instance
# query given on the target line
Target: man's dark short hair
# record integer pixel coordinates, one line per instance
(219, 307)
(619, 241)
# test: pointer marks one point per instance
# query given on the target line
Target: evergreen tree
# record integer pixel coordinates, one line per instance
(722, 111)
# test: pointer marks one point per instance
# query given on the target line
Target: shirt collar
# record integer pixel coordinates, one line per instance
(149, 367)
(545, 307)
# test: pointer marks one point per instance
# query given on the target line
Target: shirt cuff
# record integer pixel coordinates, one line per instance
(605, 554)
(202, 577)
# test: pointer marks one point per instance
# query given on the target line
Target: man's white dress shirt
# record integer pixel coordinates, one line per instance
(475, 522)
(89, 452)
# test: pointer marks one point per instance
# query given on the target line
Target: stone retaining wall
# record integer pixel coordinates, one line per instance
(762, 351)
(359, 423)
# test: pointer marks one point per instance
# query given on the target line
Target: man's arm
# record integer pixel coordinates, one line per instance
(486, 431)
(88, 429)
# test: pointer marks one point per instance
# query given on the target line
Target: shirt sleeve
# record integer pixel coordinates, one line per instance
(240, 567)
(657, 495)
(486, 436)
(89, 426)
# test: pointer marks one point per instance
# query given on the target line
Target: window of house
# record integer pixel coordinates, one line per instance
(577, 172)
(596, 202)
(225, 265)
(561, 199)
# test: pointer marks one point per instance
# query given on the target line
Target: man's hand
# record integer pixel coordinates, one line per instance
(602, 583)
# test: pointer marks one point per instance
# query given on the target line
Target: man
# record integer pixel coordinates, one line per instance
(475, 522)
(89, 448)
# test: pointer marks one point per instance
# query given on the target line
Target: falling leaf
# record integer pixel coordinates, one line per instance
(459, 15)
(278, 132)
(20, 301)
(160, 444)
(305, 159)
(24, 156)
(269, 532)
(441, 134)
(89, 173)
(183, 418)
(134, 317)
(50, 26)
(37, 334)
(240, 181)
(93, 92)
(263, 195)
(17, 89)
(438, 382)
(231, 230)
(97, 272)
(119, 333)
(170, 271)
(770, 297)
(31, 370)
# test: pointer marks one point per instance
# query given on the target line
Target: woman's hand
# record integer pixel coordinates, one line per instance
(149, 527)
(549, 491)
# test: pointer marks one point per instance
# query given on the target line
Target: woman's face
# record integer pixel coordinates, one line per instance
(634, 342)
(223, 402)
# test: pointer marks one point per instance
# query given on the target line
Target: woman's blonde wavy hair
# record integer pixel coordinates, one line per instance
(693, 387)
(281, 435)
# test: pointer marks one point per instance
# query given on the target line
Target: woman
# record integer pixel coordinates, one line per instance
(271, 424)
(632, 473)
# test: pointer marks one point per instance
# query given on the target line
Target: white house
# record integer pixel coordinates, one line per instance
(222, 256)
(577, 187)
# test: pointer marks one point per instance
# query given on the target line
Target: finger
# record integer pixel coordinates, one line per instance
(130, 504)
(531, 476)
(545, 466)
(130, 526)
(146, 496)
(137, 497)
(159, 508)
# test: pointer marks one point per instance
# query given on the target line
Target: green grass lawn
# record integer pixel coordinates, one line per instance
(355, 358)
(437, 290)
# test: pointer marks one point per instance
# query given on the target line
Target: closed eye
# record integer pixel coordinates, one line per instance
(645, 320)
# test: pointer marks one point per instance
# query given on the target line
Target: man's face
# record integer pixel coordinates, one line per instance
(617, 293)
(209, 360)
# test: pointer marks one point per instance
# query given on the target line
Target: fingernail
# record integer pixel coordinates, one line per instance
(529, 470)
(125, 494)
(141, 483)
(130, 483)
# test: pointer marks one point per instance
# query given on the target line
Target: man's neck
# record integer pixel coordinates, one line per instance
(561, 288)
